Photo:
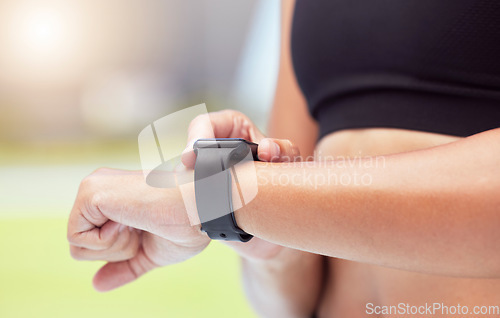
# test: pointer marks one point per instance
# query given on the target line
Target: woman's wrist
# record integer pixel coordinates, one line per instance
(249, 174)
(270, 195)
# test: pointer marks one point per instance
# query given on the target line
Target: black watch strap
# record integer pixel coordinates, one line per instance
(214, 194)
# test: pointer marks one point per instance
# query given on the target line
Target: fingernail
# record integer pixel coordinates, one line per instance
(263, 149)
(275, 150)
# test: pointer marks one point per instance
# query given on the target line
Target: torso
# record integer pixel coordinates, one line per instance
(349, 286)
(420, 65)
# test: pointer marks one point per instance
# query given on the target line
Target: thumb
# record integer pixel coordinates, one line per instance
(278, 150)
(116, 274)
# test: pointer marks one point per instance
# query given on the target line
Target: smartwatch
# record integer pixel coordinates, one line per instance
(215, 158)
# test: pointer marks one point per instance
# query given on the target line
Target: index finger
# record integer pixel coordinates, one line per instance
(222, 124)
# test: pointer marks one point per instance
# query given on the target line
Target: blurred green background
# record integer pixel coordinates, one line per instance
(38, 278)
(78, 81)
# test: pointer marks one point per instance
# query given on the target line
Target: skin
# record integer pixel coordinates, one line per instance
(118, 218)
(412, 219)
(352, 284)
(424, 229)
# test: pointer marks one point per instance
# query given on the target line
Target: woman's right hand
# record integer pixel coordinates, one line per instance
(233, 124)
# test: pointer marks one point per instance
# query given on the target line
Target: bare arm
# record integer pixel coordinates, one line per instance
(433, 211)
(290, 109)
(288, 285)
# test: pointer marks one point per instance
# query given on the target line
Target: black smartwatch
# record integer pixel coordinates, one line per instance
(213, 189)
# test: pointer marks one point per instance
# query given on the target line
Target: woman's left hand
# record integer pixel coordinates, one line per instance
(118, 218)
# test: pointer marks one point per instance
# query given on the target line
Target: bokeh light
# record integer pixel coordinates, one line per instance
(79, 79)
(41, 34)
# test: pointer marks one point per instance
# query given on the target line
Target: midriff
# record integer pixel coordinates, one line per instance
(350, 286)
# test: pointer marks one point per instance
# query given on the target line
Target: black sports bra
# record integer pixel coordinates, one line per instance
(428, 65)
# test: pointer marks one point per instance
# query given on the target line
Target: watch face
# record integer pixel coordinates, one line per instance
(226, 143)
(221, 143)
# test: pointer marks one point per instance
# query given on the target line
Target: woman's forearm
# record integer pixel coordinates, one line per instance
(435, 210)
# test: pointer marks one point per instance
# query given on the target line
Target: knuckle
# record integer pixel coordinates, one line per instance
(110, 242)
(124, 241)
(135, 268)
(197, 120)
(87, 182)
(127, 249)
(106, 244)
(131, 251)
(229, 112)
(76, 252)
(96, 199)
(98, 172)
(70, 237)
(90, 181)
